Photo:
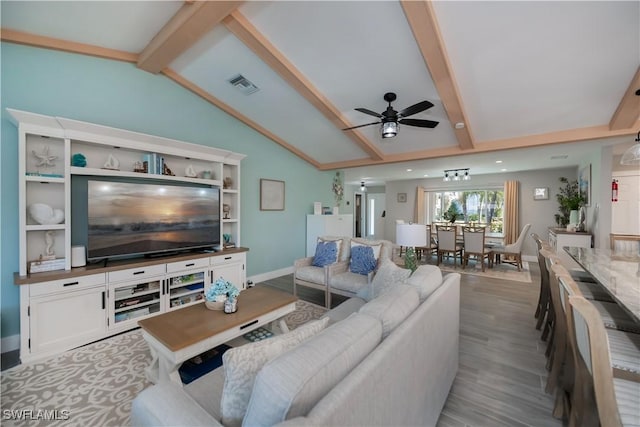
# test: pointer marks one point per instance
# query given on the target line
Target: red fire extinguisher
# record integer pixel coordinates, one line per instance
(614, 190)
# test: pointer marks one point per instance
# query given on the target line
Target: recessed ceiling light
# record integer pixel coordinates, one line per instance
(425, 175)
(559, 157)
(459, 125)
(503, 170)
(498, 161)
(409, 170)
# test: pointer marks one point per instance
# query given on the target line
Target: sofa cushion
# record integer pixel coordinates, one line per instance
(348, 281)
(363, 259)
(290, 385)
(392, 307)
(326, 254)
(387, 276)
(426, 279)
(241, 364)
(344, 310)
(310, 274)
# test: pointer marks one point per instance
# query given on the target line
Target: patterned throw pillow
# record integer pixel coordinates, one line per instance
(326, 254)
(363, 260)
(242, 364)
(387, 276)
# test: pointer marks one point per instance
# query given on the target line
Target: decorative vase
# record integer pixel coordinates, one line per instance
(215, 305)
(573, 217)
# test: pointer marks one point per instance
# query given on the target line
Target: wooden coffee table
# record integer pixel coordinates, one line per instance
(179, 335)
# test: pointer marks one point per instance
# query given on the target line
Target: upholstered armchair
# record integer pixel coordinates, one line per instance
(514, 249)
(305, 273)
(349, 276)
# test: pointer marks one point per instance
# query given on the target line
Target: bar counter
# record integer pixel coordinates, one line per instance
(617, 272)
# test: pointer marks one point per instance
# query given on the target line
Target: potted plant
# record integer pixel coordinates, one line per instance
(453, 213)
(569, 199)
(219, 292)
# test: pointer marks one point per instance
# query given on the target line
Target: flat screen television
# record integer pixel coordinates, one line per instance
(127, 219)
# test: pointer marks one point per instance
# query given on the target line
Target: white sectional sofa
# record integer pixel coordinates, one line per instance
(387, 361)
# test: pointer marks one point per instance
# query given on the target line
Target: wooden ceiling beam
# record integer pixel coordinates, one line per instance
(254, 40)
(628, 111)
(29, 39)
(236, 114)
(422, 20)
(187, 26)
(560, 137)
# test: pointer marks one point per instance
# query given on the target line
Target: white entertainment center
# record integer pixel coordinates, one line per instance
(69, 307)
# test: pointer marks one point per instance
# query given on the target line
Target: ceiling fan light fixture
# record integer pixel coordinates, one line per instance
(632, 155)
(389, 129)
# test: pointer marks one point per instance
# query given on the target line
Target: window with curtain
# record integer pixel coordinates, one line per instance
(483, 206)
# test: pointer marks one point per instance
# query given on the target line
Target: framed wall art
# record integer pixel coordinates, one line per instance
(541, 193)
(271, 195)
(584, 184)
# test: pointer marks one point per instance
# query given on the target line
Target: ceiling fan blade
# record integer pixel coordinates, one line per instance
(419, 123)
(359, 126)
(369, 112)
(415, 109)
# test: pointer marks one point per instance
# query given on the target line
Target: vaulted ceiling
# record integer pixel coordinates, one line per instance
(517, 81)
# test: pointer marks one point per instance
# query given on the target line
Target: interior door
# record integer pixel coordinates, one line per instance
(375, 220)
(357, 202)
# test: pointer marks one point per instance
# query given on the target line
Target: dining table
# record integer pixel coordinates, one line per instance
(617, 272)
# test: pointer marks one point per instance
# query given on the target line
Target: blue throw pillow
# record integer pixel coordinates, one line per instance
(362, 259)
(326, 254)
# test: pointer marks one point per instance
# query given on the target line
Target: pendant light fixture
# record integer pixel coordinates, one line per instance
(363, 188)
(632, 155)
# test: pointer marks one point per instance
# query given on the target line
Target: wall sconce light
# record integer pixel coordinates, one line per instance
(458, 174)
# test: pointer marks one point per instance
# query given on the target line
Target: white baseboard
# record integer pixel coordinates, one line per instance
(10, 343)
(270, 275)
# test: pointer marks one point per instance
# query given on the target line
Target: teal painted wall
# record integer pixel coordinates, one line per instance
(117, 94)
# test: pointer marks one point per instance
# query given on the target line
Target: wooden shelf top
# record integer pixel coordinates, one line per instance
(115, 266)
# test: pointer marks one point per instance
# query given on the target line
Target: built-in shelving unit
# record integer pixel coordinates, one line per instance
(48, 152)
(69, 307)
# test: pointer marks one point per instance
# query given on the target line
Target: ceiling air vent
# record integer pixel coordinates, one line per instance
(243, 85)
(559, 157)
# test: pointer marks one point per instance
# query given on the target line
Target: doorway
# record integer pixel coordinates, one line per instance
(357, 203)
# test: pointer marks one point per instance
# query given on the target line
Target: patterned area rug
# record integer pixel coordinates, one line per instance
(91, 385)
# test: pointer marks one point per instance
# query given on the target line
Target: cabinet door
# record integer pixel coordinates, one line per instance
(233, 272)
(62, 321)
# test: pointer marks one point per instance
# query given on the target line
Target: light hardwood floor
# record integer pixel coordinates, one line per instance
(501, 377)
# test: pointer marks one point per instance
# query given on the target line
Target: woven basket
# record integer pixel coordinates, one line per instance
(214, 305)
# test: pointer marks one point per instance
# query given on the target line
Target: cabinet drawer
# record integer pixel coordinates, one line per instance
(64, 285)
(226, 259)
(172, 267)
(136, 273)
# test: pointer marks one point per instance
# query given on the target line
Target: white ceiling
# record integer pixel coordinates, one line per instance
(526, 74)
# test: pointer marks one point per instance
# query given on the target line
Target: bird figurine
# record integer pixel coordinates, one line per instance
(44, 158)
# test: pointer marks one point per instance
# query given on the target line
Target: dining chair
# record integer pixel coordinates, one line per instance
(431, 246)
(447, 243)
(624, 243)
(473, 241)
(513, 249)
(604, 395)
(543, 297)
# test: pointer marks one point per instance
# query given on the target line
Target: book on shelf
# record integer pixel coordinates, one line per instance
(40, 266)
